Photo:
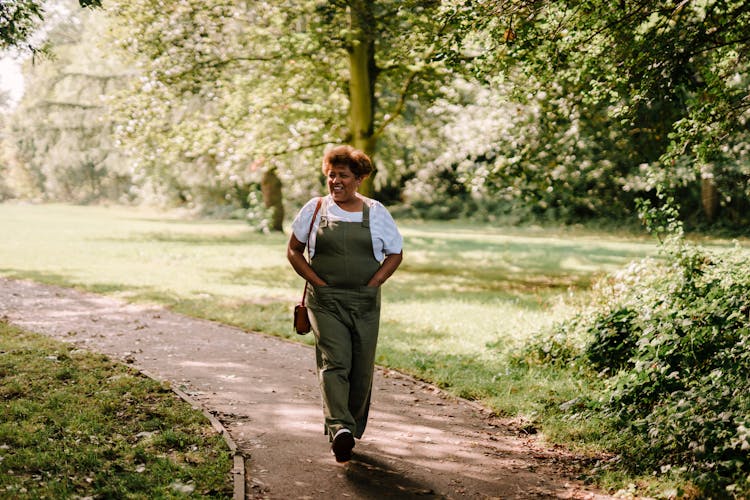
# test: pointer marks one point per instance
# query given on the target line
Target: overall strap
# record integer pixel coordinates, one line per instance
(365, 214)
(309, 232)
(312, 223)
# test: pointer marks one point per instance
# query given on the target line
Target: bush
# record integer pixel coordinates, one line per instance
(671, 340)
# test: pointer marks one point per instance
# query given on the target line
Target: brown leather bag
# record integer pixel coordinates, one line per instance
(301, 319)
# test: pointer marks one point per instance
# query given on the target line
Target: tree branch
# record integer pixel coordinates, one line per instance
(214, 64)
(725, 43)
(390, 117)
(95, 76)
(386, 14)
(302, 147)
(399, 105)
(618, 22)
(66, 104)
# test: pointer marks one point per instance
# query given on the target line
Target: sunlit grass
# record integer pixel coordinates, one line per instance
(76, 425)
(464, 299)
(464, 296)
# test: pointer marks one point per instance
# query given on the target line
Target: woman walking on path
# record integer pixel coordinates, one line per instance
(354, 248)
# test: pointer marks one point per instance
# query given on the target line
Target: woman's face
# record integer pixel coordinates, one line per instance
(342, 183)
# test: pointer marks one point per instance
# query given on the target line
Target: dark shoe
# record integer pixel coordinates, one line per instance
(343, 443)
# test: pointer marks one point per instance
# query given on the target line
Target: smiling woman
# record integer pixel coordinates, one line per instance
(354, 247)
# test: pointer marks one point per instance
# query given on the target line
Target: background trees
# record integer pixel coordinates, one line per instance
(524, 109)
(59, 140)
(229, 88)
(674, 75)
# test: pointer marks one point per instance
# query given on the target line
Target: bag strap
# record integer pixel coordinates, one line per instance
(309, 232)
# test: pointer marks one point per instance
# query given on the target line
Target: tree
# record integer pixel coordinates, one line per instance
(227, 85)
(675, 73)
(543, 155)
(59, 134)
(20, 19)
(5, 191)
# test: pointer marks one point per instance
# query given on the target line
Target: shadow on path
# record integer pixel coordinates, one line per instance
(371, 477)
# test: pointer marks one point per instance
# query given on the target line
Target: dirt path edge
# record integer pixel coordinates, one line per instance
(420, 443)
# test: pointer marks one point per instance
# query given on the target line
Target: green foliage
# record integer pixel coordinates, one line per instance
(662, 221)
(559, 349)
(512, 110)
(672, 75)
(612, 340)
(546, 154)
(257, 215)
(669, 339)
(19, 19)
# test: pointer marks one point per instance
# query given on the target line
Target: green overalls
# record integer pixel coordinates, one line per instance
(345, 317)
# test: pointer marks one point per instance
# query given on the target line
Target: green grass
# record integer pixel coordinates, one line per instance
(74, 425)
(464, 296)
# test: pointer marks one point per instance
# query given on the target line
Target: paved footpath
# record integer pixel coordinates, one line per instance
(420, 443)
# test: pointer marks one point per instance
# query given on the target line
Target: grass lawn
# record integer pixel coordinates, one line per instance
(464, 299)
(464, 296)
(76, 425)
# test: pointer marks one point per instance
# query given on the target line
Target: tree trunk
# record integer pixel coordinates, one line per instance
(709, 198)
(270, 188)
(362, 73)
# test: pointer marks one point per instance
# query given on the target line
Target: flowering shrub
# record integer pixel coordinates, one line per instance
(671, 341)
(258, 216)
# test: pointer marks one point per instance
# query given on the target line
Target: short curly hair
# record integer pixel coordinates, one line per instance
(346, 156)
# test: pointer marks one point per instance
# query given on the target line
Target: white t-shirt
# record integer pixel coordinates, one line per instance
(386, 239)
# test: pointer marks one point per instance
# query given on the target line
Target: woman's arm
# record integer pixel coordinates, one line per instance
(387, 268)
(295, 252)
